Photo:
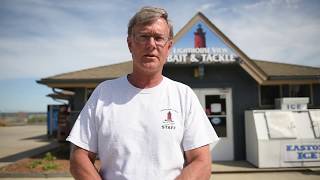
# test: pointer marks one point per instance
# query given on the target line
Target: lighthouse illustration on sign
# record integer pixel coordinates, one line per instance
(200, 45)
(199, 38)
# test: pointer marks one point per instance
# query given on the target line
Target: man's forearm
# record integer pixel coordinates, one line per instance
(82, 167)
(198, 164)
(196, 170)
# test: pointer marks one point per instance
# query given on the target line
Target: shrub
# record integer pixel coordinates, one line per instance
(46, 163)
(49, 157)
(49, 165)
(34, 164)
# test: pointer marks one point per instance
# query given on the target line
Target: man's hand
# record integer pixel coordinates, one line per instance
(82, 164)
(198, 164)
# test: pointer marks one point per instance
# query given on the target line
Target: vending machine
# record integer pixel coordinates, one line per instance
(288, 136)
(52, 120)
(57, 121)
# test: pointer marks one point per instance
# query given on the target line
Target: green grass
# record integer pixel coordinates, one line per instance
(47, 162)
(34, 164)
(49, 166)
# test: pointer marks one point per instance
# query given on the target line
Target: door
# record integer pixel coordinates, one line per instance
(217, 104)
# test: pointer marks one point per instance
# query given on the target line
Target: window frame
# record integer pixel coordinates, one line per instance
(281, 92)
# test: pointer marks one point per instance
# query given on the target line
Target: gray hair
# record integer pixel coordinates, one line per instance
(148, 15)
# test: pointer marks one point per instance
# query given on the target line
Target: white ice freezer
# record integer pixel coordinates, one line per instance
(283, 138)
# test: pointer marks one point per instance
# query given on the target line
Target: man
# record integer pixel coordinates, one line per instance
(143, 125)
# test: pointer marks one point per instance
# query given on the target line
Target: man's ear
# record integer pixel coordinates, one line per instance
(129, 42)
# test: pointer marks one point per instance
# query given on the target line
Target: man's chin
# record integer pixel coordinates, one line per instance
(150, 65)
(150, 68)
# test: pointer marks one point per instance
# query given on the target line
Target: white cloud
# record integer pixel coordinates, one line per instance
(274, 30)
(44, 38)
(206, 7)
(44, 58)
(41, 38)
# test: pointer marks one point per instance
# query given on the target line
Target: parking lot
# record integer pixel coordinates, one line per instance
(18, 142)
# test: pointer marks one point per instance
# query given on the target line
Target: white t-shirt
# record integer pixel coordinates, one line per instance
(142, 133)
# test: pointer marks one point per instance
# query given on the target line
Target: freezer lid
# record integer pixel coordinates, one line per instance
(281, 124)
(315, 121)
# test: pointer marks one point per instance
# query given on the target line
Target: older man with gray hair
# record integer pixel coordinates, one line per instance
(143, 125)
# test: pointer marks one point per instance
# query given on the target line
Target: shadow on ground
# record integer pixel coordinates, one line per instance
(60, 150)
(40, 138)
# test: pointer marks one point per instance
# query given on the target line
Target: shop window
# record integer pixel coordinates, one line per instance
(268, 94)
(217, 114)
(300, 91)
(285, 90)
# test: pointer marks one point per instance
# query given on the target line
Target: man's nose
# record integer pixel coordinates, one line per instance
(151, 42)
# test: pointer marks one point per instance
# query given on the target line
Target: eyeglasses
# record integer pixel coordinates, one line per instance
(158, 39)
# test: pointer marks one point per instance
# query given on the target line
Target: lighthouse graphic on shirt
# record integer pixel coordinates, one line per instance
(168, 120)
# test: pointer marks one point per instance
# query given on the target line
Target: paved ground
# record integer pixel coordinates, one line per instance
(266, 176)
(23, 141)
(18, 142)
(231, 176)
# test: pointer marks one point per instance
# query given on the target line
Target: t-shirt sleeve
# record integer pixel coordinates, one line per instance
(198, 129)
(84, 131)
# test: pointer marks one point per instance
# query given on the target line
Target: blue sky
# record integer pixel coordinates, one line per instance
(41, 38)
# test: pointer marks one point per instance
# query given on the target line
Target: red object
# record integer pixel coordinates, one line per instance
(200, 38)
(169, 118)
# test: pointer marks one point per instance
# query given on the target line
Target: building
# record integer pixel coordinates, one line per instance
(226, 81)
